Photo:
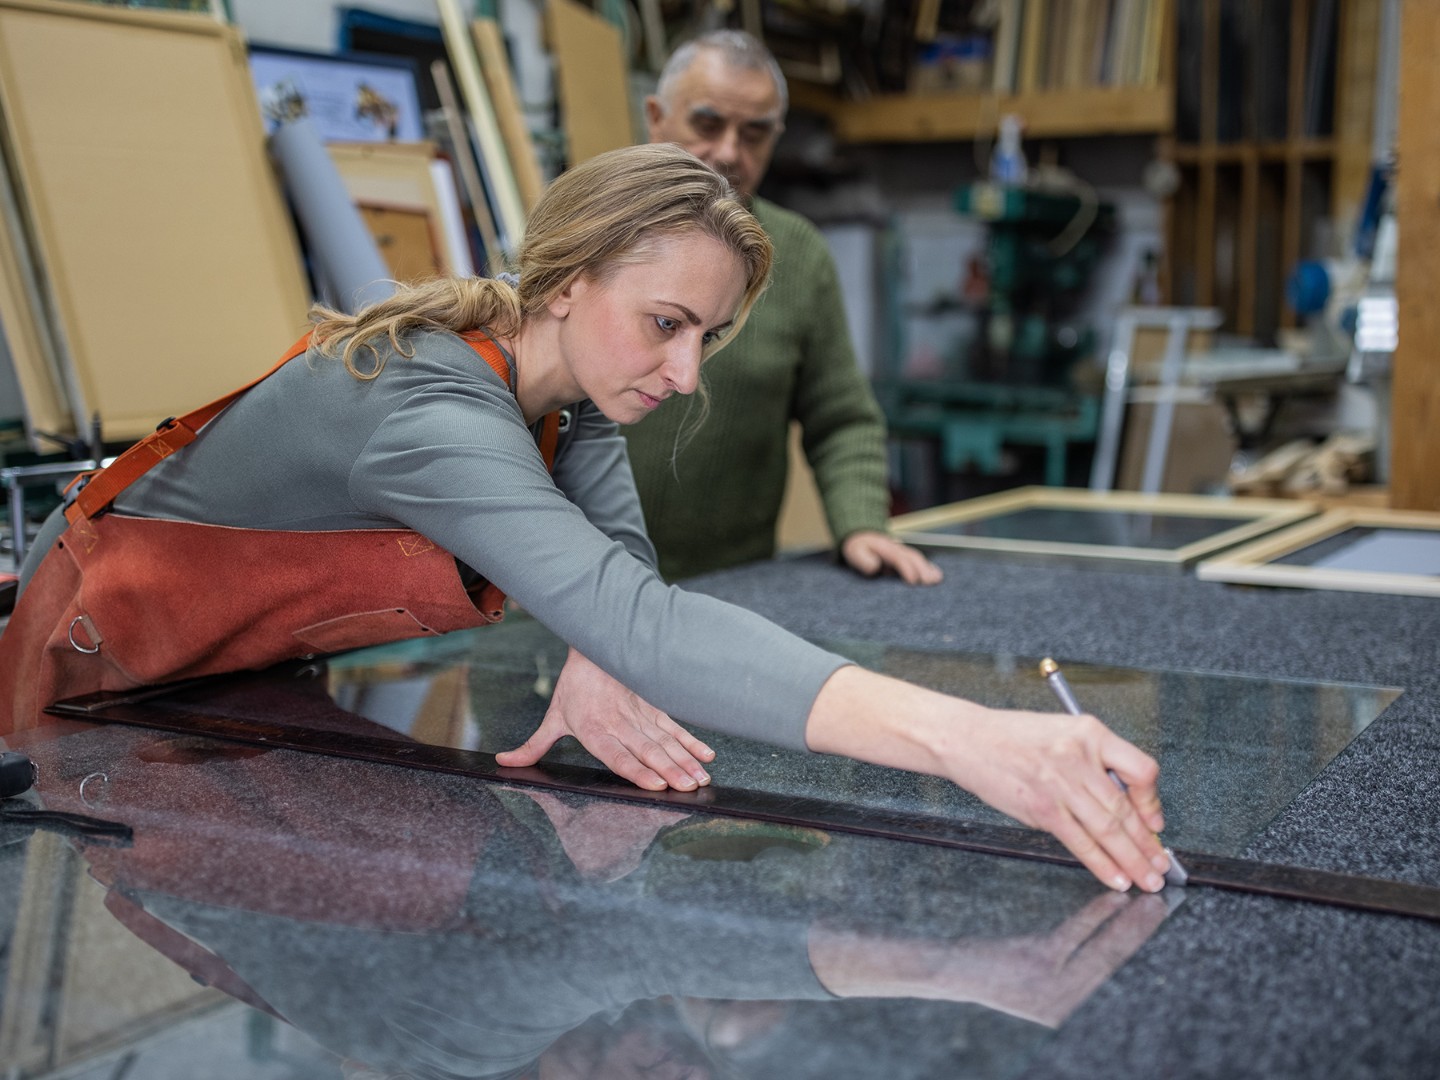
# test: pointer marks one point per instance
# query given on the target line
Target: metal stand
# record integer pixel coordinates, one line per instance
(1179, 322)
(17, 478)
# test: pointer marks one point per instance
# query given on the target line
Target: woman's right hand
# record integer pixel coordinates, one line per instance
(1046, 770)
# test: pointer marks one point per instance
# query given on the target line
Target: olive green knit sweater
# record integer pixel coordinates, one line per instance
(715, 503)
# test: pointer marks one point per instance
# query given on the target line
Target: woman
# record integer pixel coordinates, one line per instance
(391, 484)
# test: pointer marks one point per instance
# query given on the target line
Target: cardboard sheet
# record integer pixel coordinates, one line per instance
(590, 71)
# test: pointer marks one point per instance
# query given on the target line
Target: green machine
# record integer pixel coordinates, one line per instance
(1043, 247)
(1017, 385)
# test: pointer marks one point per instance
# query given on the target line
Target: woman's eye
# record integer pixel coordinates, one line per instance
(712, 336)
(668, 325)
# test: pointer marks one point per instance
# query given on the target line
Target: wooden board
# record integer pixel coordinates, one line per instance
(1415, 392)
(1254, 564)
(495, 66)
(1251, 517)
(170, 264)
(590, 75)
(498, 169)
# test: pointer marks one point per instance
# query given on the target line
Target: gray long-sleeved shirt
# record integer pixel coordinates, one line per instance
(437, 443)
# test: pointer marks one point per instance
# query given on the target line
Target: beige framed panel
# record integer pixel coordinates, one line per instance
(1254, 564)
(169, 262)
(1251, 517)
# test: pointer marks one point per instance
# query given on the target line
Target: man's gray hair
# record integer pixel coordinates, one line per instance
(741, 50)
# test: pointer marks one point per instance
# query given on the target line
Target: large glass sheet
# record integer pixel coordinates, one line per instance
(427, 925)
(1100, 526)
(1234, 751)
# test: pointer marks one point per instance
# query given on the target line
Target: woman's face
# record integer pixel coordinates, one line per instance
(633, 340)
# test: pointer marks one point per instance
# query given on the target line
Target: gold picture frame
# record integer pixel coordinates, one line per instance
(1256, 563)
(1251, 518)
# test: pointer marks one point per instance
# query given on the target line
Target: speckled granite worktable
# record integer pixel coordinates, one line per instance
(1234, 985)
(454, 928)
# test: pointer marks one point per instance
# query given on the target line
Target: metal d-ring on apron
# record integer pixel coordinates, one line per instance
(91, 633)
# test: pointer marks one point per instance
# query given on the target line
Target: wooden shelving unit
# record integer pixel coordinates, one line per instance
(1080, 87)
(1247, 206)
(1124, 110)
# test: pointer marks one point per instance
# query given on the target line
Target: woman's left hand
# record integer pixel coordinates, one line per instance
(629, 735)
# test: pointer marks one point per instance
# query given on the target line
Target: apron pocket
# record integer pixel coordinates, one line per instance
(361, 629)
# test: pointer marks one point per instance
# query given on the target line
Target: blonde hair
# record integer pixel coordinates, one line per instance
(600, 215)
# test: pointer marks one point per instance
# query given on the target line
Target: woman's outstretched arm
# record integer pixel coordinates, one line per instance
(1047, 770)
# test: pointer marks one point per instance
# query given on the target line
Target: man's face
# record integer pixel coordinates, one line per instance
(726, 116)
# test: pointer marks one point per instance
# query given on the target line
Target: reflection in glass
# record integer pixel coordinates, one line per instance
(435, 926)
(1234, 751)
(1109, 527)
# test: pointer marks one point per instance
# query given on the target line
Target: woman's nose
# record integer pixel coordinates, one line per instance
(682, 368)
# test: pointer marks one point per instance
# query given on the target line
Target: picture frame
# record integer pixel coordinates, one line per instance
(348, 97)
(1155, 531)
(1376, 537)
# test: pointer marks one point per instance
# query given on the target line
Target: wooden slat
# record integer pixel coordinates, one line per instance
(495, 66)
(1415, 394)
(1247, 247)
(499, 172)
(1356, 69)
(1290, 222)
(1206, 175)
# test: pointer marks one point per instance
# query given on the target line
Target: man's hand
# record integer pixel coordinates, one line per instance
(631, 737)
(871, 552)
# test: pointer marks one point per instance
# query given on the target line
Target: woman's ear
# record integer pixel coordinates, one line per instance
(561, 303)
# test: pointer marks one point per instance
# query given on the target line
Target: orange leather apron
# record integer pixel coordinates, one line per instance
(122, 602)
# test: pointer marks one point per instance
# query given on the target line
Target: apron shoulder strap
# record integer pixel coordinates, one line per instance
(490, 352)
(169, 436)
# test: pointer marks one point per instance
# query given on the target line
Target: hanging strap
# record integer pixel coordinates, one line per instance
(173, 434)
(484, 344)
(102, 486)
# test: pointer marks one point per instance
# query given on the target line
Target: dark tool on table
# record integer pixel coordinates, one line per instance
(1176, 874)
(18, 775)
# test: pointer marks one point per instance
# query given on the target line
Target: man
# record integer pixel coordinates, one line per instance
(712, 491)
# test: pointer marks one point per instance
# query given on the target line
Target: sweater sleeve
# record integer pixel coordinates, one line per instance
(456, 463)
(843, 427)
(593, 470)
